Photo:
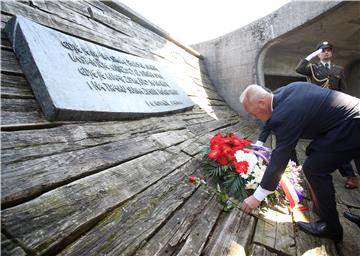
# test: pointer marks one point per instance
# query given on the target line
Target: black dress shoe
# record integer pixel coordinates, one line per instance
(353, 218)
(320, 229)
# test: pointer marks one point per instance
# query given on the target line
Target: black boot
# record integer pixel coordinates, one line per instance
(353, 218)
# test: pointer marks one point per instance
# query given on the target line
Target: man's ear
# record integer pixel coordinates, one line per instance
(262, 102)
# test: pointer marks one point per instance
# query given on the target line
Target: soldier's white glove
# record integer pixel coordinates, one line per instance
(259, 143)
(312, 55)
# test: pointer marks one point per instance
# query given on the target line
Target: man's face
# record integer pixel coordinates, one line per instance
(326, 54)
(256, 111)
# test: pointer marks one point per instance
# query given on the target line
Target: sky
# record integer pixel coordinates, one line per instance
(194, 21)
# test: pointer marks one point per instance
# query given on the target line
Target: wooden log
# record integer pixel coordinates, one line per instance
(178, 227)
(30, 144)
(15, 87)
(82, 13)
(4, 40)
(19, 120)
(275, 230)
(53, 219)
(126, 45)
(10, 248)
(258, 250)
(193, 241)
(24, 180)
(233, 232)
(9, 63)
(139, 220)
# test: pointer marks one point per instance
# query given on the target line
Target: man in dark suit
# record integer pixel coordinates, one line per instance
(330, 119)
(328, 75)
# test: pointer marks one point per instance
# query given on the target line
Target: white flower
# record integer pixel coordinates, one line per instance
(254, 169)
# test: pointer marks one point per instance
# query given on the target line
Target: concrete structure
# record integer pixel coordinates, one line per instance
(268, 50)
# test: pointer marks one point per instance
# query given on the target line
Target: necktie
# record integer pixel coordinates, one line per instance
(327, 65)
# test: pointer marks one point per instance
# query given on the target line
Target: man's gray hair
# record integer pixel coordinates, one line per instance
(252, 92)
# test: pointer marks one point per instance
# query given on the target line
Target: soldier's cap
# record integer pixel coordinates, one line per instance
(324, 45)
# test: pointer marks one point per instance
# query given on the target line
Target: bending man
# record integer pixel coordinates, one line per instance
(330, 119)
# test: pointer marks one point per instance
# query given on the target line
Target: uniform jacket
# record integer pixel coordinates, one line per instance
(317, 73)
(329, 118)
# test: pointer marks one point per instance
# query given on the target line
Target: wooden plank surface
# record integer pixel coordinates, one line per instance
(23, 180)
(126, 228)
(233, 230)
(9, 63)
(258, 250)
(193, 241)
(275, 230)
(177, 235)
(9, 247)
(77, 29)
(15, 86)
(43, 223)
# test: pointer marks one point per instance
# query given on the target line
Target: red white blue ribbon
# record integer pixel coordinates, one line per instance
(292, 195)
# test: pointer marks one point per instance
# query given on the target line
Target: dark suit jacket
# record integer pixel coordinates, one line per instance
(265, 132)
(304, 110)
(320, 74)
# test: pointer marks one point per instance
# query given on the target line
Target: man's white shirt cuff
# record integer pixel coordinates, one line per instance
(259, 143)
(261, 193)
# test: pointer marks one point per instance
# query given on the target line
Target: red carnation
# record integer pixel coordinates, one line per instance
(226, 150)
(228, 140)
(214, 154)
(192, 179)
(223, 160)
(242, 167)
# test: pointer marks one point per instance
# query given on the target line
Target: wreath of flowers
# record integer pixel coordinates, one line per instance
(238, 166)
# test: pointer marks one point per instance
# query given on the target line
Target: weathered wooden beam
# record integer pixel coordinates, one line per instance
(232, 230)
(9, 63)
(193, 241)
(137, 221)
(275, 230)
(117, 42)
(54, 218)
(187, 231)
(24, 180)
(15, 87)
(10, 248)
(258, 250)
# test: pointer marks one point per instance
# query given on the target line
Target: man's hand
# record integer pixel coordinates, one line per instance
(249, 204)
(313, 54)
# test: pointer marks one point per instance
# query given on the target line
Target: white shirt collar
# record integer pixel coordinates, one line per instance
(324, 62)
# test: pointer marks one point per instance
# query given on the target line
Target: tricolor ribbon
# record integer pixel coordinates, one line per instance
(292, 195)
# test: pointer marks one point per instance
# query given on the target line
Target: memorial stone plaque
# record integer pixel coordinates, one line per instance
(74, 79)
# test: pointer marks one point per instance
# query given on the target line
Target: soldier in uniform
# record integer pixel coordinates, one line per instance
(327, 75)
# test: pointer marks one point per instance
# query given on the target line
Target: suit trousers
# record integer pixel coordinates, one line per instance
(346, 170)
(317, 170)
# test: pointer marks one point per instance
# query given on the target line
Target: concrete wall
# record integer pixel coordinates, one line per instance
(237, 59)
